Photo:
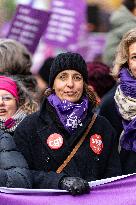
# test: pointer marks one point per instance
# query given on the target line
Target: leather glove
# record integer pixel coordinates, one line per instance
(75, 185)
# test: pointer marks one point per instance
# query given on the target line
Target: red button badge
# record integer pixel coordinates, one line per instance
(55, 141)
(96, 143)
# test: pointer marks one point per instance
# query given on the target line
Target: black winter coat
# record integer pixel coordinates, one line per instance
(31, 138)
(108, 109)
(14, 170)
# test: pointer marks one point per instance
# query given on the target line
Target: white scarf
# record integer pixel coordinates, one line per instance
(126, 105)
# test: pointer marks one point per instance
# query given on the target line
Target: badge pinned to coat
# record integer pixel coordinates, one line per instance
(96, 143)
(55, 141)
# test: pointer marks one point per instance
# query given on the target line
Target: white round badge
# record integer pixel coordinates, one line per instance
(55, 141)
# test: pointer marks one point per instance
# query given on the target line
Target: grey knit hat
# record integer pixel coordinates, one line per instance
(68, 61)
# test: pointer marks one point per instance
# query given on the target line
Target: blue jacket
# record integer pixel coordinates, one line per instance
(14, 170)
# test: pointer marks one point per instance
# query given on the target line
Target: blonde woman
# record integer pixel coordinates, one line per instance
(125, 97)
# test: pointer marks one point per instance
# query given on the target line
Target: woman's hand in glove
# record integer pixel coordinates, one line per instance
(75, 185)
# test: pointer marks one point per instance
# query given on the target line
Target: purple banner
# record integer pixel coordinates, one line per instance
(28, 26)
(66, 22)
(120, 192)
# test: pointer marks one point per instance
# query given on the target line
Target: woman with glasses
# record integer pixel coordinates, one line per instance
(15, 104)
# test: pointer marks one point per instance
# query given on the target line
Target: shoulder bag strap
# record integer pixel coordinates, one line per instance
(71, 155)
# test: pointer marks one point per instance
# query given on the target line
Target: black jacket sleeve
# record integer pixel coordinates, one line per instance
(13, 167)
(46, 180)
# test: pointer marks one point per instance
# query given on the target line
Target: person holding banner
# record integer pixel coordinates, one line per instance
(65, 144)
(125, 70)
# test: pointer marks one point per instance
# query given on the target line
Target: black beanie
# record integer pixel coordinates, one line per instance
(44, 71)
(68, 61)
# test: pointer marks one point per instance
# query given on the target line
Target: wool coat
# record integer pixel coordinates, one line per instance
(33, 133)
(109, 110)
(128, 161)
(14, 170)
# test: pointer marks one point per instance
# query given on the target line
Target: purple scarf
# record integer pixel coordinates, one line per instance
(127, 83)
(128, 87)
(128, 140)
(70, 114)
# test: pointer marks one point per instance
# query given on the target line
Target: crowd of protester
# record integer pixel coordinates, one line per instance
(73, 122)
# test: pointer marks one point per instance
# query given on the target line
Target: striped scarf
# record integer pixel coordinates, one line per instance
(126, 105)
(125, 98)
(10, 124)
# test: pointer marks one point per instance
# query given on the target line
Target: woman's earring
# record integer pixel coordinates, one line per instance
(48, 91)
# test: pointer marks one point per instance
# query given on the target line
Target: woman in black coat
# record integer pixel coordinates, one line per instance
(47, 137)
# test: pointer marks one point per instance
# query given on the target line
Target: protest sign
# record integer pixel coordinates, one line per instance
(28, 25)
(66, 21)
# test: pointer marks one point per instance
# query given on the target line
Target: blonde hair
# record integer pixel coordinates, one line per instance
(122, 53)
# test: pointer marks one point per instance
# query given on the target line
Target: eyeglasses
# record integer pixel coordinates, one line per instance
(6, 98)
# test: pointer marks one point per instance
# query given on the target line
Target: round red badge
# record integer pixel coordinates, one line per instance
(96, 143)
(55, 141)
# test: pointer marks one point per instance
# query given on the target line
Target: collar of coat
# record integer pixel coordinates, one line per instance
(49, 123)
(49, 115)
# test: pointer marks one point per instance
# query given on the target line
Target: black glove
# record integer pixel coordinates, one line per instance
(75, 185)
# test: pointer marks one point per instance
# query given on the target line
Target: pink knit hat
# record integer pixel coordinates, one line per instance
(8, 84)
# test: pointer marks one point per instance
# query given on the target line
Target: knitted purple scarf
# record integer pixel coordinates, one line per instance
(70, 114)
(128, 87)
(127, 83)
